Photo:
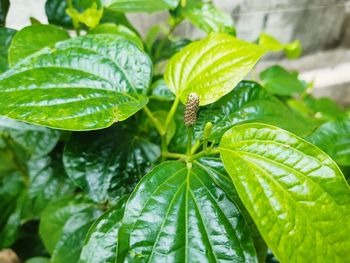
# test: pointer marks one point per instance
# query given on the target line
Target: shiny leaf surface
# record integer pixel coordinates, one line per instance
(101, 241)
(160, 91)
(6, 35)
(129, 6)
(83, 83)
(63, 227)
(249, 102)
(279, 81)
(296, 194)
(333, 137)
(107, 164)
(179, 214)
(211, 67)
(32, 39)
(36, 140)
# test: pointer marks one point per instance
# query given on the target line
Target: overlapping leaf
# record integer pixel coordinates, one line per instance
(129, 6)
(84, 83)
(178, 214)
(211, 67)
(108, 163)
(296, 194)
(6, 35)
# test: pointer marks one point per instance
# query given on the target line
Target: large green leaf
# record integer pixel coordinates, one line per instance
(333, 137)
(101, 241)
(178, 214)
(32, 39)
(63, 227)
(6, 35)
(211, 67)
(4, 8)
(279, 81)
(296, 194)
(84, 83)
(36, 140)
(108, 163)
(129, 6)
(249, 102)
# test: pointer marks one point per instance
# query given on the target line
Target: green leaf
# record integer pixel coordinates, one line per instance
(84, 83)
(293, 50)
(6, 35)
(38, 260)
(160, 91)
(119, 30)
(129, 6)
(108, 163)
(179, 214)
(163, 49)
(4, 8)
(63, 227)
(36, 140)
(279, 81)
(211, 67)
(249, 102)
(101, 241)
(333, 137)
(48, 183)
(32, 39)
(324, 108)
(210, 19)
(296, 194)
(90, 17)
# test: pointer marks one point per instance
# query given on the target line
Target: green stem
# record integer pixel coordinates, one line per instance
(172, 113)
(189, 140)
(155, 121)
(174, 155)
(202, 154)
(195, 147)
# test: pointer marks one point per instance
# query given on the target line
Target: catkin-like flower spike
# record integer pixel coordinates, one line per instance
(191, 110)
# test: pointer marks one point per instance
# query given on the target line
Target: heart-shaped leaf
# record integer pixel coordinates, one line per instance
(249, 102)
(177, 213)
(83, 83)
(333, 137)
(211, 67)
(296, 194)
(108, 163)
(101, 241)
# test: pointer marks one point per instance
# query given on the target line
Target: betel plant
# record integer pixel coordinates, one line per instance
(104, 158)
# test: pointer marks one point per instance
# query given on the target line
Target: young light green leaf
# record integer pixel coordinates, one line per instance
(32, 39)
(249, 102)
(178, 214)
(84, 83)
(210, 19)
(295, 193)
(36, 140)
(293, 50)
(101, 241)
(126, 154)
(6, 35)
(63, 227)
(130, 6)
(279, 81)
(211, 67)
(333, 137)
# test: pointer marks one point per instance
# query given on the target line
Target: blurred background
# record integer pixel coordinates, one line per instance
(323, 27)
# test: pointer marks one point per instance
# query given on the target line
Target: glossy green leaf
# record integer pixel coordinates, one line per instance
(48, 183)
(296, 194)
(63, 227)
(211, 67)
(163, 49)
(84, 83)
(129, 6)
(210, 19)
(4, 8)
(293, 50)
(38, 260)
(32, 39)
(249, 102)
(36, 140)
(107, 164)
(179, 214)
(160, 91)
(101, 241)
(333, 137)
(279, 81)
(6, 35)
(119, 30)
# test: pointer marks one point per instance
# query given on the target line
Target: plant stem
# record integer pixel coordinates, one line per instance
(189, 140)
(174, 155)
(172, 113)
(202, 154)
(195, 146)
(155, 121)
